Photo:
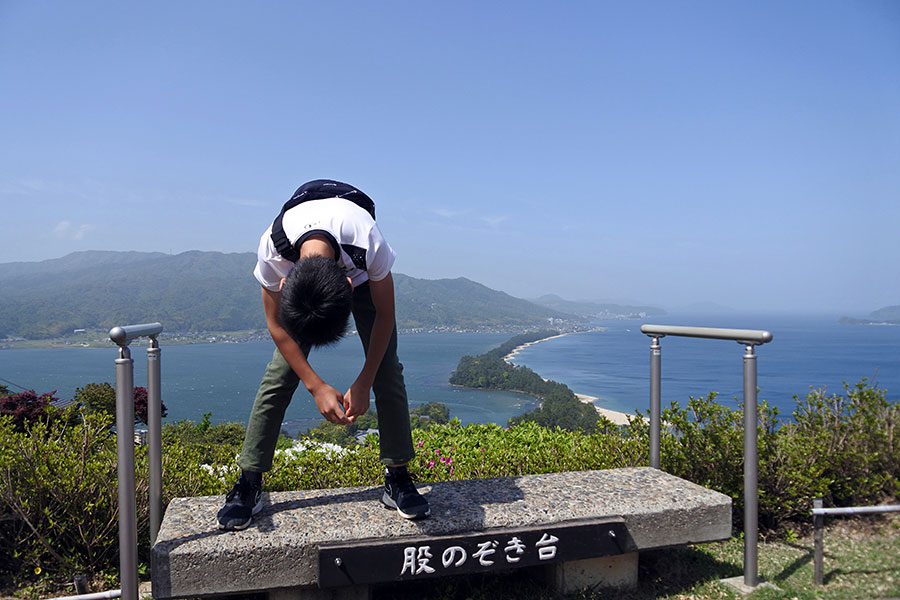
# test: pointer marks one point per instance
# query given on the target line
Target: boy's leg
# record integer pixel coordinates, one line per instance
(272, 399)
(393, 416)
(389, 389)
(274, 394)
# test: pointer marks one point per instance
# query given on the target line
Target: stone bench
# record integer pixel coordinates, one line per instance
(587, 526)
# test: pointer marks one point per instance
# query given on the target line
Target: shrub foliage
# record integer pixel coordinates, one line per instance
(58, 496)
(102, 397)
(26, 407)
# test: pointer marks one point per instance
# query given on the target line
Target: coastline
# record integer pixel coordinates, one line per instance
(100, 339)
(619, 418)
(512, 354)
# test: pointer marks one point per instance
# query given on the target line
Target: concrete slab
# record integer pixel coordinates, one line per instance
(737, 584)
(619, 571)
(193, 558)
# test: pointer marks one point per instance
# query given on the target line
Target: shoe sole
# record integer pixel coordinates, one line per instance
(390, 504)
(242, 526)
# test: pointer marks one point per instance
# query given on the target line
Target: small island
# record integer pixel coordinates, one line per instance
(560, 407)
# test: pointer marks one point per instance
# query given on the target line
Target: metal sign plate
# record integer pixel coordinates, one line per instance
(378, 561)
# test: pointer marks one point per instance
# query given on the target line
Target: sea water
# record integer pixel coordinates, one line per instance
(222, 378)
(805, 353)
(612, 364)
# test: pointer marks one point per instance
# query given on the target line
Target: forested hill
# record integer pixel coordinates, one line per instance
(193, 291)
(462, 303)
(211, 291)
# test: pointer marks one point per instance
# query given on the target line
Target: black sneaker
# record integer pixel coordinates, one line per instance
(400, 493)
(242, 502)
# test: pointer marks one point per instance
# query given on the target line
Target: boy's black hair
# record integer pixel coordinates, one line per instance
(316, 300)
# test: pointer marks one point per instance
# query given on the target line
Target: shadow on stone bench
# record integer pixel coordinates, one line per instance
(307, 540)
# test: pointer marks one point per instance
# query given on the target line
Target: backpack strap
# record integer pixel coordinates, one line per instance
(318, 189)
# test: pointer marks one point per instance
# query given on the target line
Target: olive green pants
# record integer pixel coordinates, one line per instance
(279, 383)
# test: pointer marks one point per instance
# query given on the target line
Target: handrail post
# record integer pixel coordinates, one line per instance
(750, 338)
(154, 426)
(125, 454)
(655, 376)
(123, 336)
(751, 461)
(818, 541)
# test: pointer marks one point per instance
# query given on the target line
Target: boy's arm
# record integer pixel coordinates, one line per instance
(356, 400)
(328, 400)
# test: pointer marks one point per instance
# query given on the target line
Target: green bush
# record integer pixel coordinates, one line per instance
(343, 435)
(313, 467)
(27, 408)
(58, 495)
(101, 397)
(430, 413)
(704, 443)
(230, 435)
(197, 469)
(567, 413)
(421, 417)
(853, 440)
(454, 451)
(97, 397)
(845, 449)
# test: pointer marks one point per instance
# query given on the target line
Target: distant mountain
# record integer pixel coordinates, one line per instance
(888, 314)
(75, 261)
(597, 310)
(211, 291)
(193, 291)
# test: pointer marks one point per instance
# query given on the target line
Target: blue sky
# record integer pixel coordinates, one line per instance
(742, 153)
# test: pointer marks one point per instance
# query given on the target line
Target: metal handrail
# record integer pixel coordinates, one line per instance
(750, 338)
(857, 510)
(123, 336)
(819, 529)
(742, 336)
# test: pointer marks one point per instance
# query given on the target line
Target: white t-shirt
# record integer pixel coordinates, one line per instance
(364, 253)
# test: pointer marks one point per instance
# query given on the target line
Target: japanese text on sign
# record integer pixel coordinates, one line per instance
(417, 560)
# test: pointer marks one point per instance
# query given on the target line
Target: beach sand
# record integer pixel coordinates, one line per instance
(619, 418)
(508, 358)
